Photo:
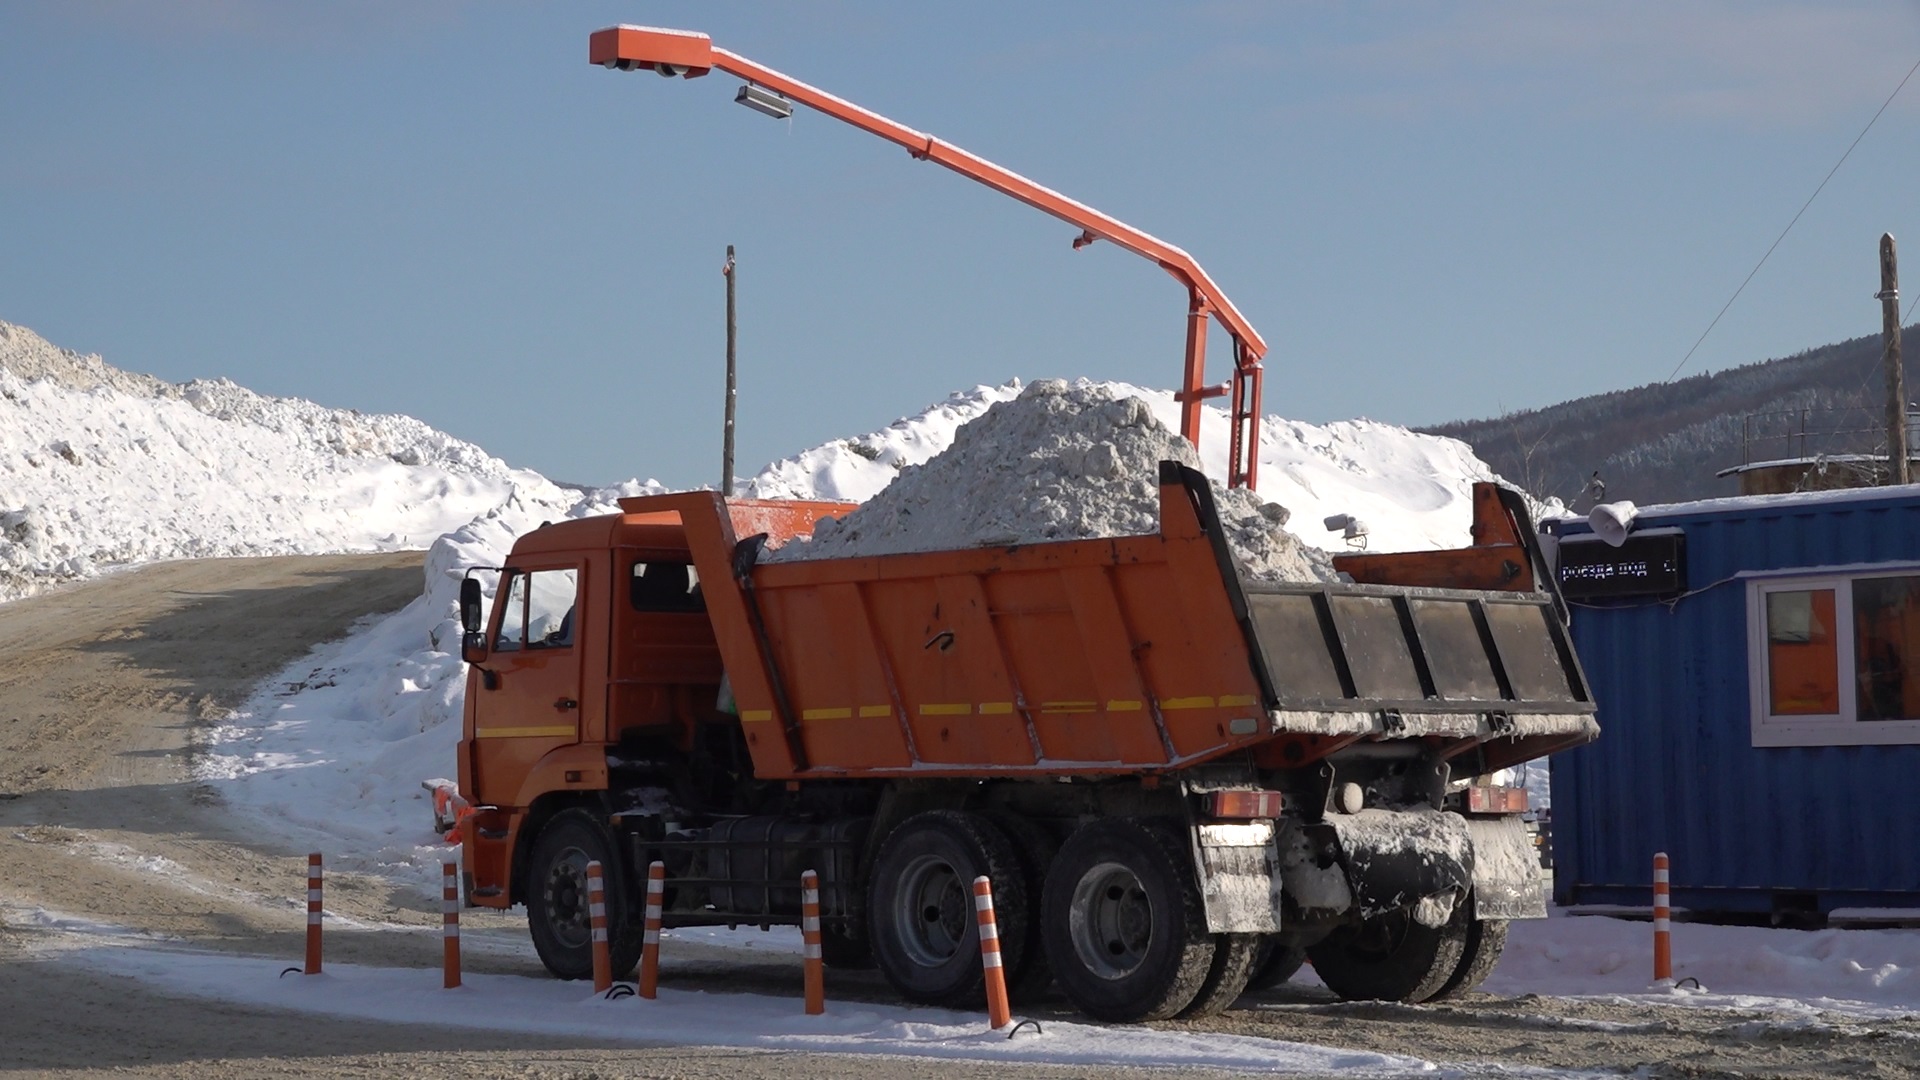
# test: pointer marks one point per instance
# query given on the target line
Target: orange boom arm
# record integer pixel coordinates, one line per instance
(690, 55)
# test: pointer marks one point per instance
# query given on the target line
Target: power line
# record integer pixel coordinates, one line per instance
(1791, 224)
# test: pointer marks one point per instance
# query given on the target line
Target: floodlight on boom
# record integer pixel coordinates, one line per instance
(765, 102)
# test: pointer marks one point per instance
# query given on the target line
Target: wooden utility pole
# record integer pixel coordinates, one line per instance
(726, 450)
(1889, 297)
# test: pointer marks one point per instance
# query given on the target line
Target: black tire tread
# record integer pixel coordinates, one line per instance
(1486, 939)
(1417, 970)
(1035, 848)
(1275, 964)
(1233, 959)
(1159, 999)
(1000, 865)
(625, 933)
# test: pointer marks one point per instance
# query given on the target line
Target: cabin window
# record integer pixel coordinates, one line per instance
(538, 610)
(1835, 661)
(513, 616)
(665, 585)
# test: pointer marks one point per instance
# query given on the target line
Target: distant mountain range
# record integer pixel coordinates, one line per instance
(1664, 442)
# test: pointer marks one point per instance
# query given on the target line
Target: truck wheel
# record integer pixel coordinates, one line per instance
(557, 913)
(1275, 964)
(1486, 938)
(1122, 919)
(925, 933)
(1035, 848)
(1233, 956)
(1392, 957)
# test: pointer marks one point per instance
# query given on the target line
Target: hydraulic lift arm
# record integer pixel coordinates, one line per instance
(690, 55)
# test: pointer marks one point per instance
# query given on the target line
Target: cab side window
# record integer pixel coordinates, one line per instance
(666, 586)
(551, 595)
(512, 599)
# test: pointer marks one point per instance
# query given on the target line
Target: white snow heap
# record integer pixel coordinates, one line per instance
(100, 467)
(1058, 462)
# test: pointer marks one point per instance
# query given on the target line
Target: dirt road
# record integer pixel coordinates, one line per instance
(102, 690)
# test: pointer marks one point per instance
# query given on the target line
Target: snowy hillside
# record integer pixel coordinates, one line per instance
(99, 468)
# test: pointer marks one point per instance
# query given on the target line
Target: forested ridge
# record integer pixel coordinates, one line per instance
(1664, 442)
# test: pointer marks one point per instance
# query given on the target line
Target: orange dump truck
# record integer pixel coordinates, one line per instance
(1179, 781)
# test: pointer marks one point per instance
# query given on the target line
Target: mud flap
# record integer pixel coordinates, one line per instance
(1397, 858)
(1239, 877)
(1506, 871)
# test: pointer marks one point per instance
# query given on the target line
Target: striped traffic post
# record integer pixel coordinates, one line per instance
(650, 939)
(313, 914)
(999, 1014)
(1662, 922)
(597, 917)
(450, 923)
(810, 937)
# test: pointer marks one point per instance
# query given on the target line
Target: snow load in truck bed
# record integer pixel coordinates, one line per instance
(1059, 462)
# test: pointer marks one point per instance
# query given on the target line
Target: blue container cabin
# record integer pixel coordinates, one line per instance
(1756, 662)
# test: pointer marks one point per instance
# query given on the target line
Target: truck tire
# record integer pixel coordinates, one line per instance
(1125, 931)
(1486, 939)
(925, 934)
(1275, 964)
(1035, 848)
(556, 895)
(1233, 957)
(1392, 957)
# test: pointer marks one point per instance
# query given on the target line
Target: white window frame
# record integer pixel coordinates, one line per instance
(1839, 729)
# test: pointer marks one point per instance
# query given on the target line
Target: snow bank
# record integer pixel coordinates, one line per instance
(1057, 462)
(101, 468)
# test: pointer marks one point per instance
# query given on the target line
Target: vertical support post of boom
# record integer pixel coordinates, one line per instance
(1889, 297)
(1243, 462)
(726, 451)
(1192, 392)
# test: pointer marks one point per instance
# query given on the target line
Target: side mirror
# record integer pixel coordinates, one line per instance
(473, 640)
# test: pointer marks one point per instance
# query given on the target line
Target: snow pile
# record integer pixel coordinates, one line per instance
(1058, 462)
(99, 467)
(1414, 491)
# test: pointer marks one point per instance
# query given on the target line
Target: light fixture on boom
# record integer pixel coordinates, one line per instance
(764, 101)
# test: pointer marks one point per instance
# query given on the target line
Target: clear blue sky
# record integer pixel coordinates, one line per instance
(1432, 211)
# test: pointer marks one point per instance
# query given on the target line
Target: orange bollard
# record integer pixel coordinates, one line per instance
(650, 939)
(450, 923)
(313, 914)
(1662, 922)
(597, 917)
(816, 981)
(999, 1013)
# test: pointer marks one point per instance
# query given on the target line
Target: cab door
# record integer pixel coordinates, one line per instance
(535, 657)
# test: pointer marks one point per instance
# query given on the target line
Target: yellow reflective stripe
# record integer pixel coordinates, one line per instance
(549, 731)
(876, 710)
(1068, 706)
(996, 708)
(754, 715)
(1233, 701)
(1123, 706)
(1187, 703)
(945, 710)
(826, 714)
